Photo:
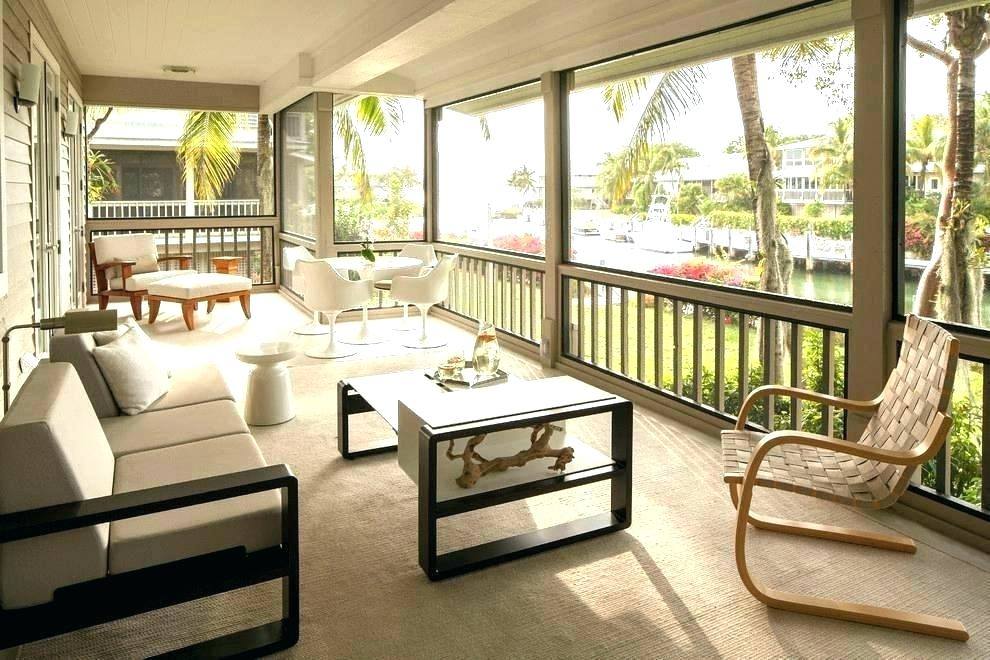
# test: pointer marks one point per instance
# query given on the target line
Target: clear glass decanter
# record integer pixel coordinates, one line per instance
(486, 352)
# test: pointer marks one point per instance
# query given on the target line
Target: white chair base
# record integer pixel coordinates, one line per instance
(424, 340)
(313, 328)
(331, 351)
(364, 335)
(405, 324)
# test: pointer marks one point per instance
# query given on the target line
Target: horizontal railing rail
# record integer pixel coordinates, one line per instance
(502, 289)
(707, 353)
(253, 244)
(173, 208)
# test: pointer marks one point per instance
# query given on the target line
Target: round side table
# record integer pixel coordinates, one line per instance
(269, 389)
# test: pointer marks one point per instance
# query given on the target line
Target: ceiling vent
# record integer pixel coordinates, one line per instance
(178, 68)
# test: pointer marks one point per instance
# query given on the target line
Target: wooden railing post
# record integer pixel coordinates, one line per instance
(876, 124)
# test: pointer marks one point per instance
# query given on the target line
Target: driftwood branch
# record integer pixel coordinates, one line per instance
(477, 466)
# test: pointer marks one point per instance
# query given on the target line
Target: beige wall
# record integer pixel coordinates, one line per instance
(18, 305)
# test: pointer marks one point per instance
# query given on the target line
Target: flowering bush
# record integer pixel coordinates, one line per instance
(704, 270)
(919, 234)
(525, 243)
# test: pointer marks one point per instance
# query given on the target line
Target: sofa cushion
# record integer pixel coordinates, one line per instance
(199, 285)
(175, 426)
(135, 377)
(252, 521)
(194, 385)
(141, 281)
(52, 451)
(77, 350)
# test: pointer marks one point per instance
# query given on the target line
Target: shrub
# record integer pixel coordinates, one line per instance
(683, 218)
(705, 270)
(525, 243)
(815, 209)
(732, 220)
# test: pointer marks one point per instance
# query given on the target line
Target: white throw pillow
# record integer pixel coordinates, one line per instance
(134, 374)
(146, 263)
(105, 337)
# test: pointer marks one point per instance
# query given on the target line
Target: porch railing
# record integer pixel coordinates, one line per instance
(173, 208)
(960, 472)
(505, 290)
(254, 244)
(707, 354)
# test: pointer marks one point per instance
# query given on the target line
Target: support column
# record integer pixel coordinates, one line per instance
(430, 118)
(324, 175)
(556, 205)
(875, 170)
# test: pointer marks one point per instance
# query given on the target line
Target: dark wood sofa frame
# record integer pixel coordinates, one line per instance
(126, 271)
(118, 596)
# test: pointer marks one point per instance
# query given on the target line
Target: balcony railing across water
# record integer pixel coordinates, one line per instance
(173, 208)
(705, 355)
(253, 244)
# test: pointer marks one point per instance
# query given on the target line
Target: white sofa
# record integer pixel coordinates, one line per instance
(181, 489)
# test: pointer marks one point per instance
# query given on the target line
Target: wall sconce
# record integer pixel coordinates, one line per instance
(86, 320)
(71, 126)
(28, 86)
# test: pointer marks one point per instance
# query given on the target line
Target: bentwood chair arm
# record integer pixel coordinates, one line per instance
(806, 395)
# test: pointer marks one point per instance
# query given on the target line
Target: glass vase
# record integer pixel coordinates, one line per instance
(486, 351)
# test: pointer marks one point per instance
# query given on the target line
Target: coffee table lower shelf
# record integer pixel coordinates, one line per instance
(495, 552)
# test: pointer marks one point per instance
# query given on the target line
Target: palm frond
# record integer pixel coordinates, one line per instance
(676, 93)
(619, 94)
(802, 52)
(206, 151)
(486, 130)
(350, 137)
(379, 114)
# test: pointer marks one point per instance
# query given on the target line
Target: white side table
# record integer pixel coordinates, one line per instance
(269, 390)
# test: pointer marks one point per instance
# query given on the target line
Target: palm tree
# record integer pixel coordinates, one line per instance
(834, 157)
(371, 115)
(206, 152)
(950, 281)
(925, 144)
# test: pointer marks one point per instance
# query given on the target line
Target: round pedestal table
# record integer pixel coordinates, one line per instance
(269, 389)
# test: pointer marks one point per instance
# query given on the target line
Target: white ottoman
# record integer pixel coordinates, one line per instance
(269, 390)
(191, 289)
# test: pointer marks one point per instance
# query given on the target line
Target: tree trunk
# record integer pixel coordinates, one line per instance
(266, 179)
(926, 297)
(957, 292)
(777, 264)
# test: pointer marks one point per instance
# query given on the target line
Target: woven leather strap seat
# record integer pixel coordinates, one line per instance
(811, 471)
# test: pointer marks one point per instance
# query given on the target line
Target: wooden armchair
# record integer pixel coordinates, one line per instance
(125, 264)
(908, 426)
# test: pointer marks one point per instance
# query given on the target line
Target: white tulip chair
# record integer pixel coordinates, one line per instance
(424, 291)
(328, 292)
(291, 258)
(428, 258)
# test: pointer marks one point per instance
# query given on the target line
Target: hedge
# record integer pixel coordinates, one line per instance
(837, 228)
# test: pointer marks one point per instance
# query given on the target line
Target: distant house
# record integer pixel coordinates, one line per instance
(798, 184)
(141, 144)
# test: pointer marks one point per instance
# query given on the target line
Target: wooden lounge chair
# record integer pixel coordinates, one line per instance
(908, 426)
(125, 264)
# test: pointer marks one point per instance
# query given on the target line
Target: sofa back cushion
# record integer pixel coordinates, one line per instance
(52, 451)
(128, 247)
(77, 350)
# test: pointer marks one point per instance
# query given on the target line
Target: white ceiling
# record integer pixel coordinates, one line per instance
(437, 49)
